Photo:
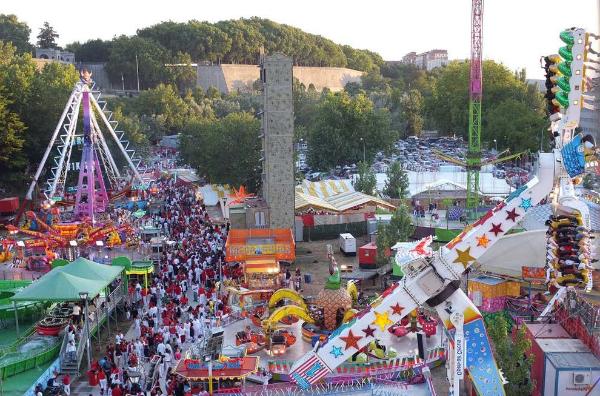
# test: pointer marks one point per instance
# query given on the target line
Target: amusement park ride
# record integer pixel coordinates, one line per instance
(432, 279)
(99, 182)
(91, 192)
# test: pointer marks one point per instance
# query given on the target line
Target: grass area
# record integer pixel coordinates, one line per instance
(18, 384)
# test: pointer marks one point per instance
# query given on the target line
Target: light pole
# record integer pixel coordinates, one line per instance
(496, 145)
(137, 72)
(208, 359)
(364, 151)
(123, 82)
(84, 296)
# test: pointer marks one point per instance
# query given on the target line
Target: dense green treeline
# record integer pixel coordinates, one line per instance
(233, 41)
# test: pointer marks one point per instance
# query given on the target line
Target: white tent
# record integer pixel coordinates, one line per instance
(418, 182)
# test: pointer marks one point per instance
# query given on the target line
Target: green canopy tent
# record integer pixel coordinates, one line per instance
(57, 285)
(88, 269)
(68, 282)
(122, 261)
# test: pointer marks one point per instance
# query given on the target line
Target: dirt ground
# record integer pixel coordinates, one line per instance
(311, 258)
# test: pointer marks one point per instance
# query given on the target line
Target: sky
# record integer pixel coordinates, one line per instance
(516, 32)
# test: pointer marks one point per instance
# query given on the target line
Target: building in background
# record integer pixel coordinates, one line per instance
(278, 140)
(427, 60)
(55, 54)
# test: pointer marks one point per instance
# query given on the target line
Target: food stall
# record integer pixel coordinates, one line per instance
(223, 376)
(260, 251)
(135, 270)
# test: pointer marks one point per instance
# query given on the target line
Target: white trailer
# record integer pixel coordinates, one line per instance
(347, 244)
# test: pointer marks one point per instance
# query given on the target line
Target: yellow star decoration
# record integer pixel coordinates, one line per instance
(382, 320)
(483, 241)
(464, 257)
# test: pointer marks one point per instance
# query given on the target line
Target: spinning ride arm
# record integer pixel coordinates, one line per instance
(31, 214)
(435, 282)
(57, 240)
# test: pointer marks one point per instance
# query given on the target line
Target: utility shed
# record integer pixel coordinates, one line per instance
(571, 373)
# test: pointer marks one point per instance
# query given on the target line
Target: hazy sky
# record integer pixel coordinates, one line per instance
(516, 32)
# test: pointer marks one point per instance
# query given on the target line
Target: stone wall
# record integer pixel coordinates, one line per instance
(234, 78)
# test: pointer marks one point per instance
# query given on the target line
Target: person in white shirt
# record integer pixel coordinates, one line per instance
(71, 350)
(160, 349)
(76, 313)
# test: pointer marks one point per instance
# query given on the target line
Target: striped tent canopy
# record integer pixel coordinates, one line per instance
(338, 203)
(325, 188)
(213, 192)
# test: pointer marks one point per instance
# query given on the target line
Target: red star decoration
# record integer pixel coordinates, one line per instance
(512, 215)
(496, 229)
(397, 309)
(351, 340)
(369, 332)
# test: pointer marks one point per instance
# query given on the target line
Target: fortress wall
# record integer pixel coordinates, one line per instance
(232, 78)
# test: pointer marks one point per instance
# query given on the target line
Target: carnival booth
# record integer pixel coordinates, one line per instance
(260, 251)
(135, 270)
(226, 375)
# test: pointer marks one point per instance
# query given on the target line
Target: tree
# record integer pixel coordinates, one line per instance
(449, 102)
(366, 181)
(47, 37)
(511, 355)
(411, 104)
(14, 31)
(49, 92)
(224, 150)
(17, 73)
(515, 126)
(400, 229)
(340, 121)
(164, 105)
(96, 50)
(396, 185)
(12, 158)
(151, 60)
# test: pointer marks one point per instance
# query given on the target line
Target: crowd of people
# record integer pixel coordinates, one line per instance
(181, 302)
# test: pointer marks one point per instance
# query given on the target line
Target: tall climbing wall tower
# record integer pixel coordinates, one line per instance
(278, 140)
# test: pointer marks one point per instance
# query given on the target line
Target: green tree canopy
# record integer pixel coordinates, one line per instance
(334, 138)
(14, 31)
(151, 60)
(448, 105)
(224, 150)
(511, 355)
(515, 126)
(411, 105)
(366, 181)
(396, 185)
(235, 41)
(48, 96)
(96, 50)
(12, 157)
(47, 36)
(400, 229)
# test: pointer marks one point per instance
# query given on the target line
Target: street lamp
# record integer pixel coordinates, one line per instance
(84, 296)
(208, 359)
(496, 145)
(364, 151)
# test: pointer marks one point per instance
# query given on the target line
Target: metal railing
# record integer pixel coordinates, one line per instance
(111, 302)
